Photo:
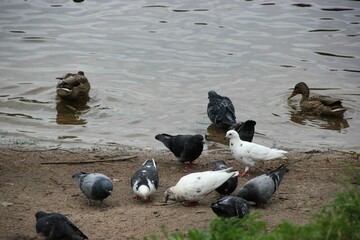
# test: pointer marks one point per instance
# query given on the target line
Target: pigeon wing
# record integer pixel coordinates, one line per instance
(226, 113)
(70, 229)
(277, 175)
(196, 185)
(147, 171)
(174, 143)
(193, 147)
(258, 152)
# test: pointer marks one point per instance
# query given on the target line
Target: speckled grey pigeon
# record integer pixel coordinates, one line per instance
(230, 206)
(55, 226)
(145, 180)
(245, 130)
(230, 185)
(95, 186)
(261, 188)
(220, 110)
(186, 148)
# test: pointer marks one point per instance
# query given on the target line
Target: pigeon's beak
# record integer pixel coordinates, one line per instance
(166, 198)
(226, 137)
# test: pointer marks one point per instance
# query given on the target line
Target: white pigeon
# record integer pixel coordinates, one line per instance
(195, 186)
(249, 153)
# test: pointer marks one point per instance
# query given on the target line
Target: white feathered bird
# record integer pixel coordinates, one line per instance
(249, 153)
(195, 186)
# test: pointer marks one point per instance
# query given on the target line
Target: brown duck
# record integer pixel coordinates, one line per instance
(73, 86)
(317, 104)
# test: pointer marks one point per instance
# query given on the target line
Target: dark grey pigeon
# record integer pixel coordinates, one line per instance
(145, 180)
(230, 206)
(186, 148)
(95, 186)
(55, 226)
(261, 188)
(220, 110)
(245, 129)
(230, 185)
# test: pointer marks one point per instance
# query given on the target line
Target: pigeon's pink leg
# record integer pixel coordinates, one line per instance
(245, 172)
(136, 197)
(188, 165)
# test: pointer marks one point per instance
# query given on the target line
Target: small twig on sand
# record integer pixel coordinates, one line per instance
(164, 203)
(93, 161)
(40, 150)
(33, 150)
(348, 152)
(55, 181)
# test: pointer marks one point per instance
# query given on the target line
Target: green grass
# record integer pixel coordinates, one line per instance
(339, 220)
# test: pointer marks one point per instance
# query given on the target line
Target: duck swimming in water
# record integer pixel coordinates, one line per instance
(317, 104)
(73, 86)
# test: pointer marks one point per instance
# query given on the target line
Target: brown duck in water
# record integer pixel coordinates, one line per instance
(317, 104)
(73, 86)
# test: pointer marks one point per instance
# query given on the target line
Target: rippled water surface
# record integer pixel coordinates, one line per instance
(151, 64)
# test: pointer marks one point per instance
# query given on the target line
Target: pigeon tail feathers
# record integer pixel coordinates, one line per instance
(277, 175)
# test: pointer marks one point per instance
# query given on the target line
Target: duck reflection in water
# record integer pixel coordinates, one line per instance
(70, 112)
(331, 123)
(72, 95)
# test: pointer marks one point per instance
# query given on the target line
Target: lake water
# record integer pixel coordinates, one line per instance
(151, 64)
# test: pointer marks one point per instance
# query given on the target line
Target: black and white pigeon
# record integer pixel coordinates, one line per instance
(230, 185)
(193, 187)
(186, 148)
(95, 186)
(145, 180)
(261, 188)
(245, 130)
(220, 110)
(230, 206)
(55, 226)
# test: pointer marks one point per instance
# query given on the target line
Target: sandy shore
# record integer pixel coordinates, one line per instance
(28, 185)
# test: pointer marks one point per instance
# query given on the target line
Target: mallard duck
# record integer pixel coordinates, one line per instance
(73, 86)
(317, 104)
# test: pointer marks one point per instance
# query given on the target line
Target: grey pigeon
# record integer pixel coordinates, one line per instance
(55, 226)
(145, 180)
(95, 186)
(230, 206)
(186, 148)
(261, 188)
(245, 129)
(220, 110)
(230, 185)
